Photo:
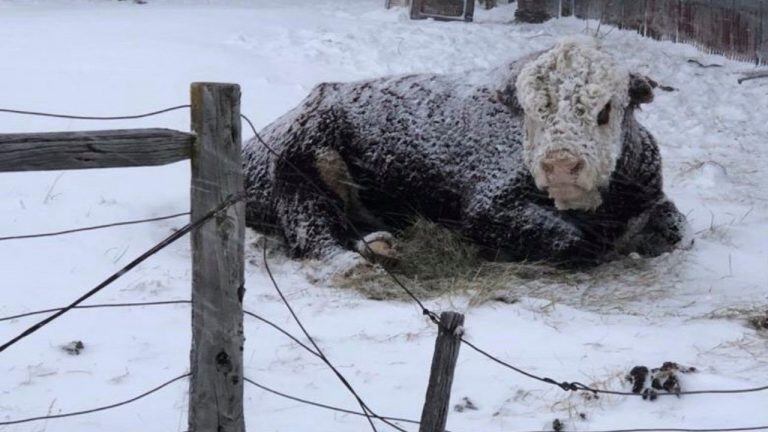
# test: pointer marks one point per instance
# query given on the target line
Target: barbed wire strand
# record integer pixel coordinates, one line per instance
(369, 412)
(346, 411)
(160, 303)
(333, 408)
(343, 410)
(284, 332)
(96, 306)
(94, 227)
(565, 385)
(577, 386)
(155, 249)
(322, 405)
(81, 117)
(93, 410)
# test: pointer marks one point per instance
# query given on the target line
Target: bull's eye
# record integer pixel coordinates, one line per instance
(578, 167)
(604, 115)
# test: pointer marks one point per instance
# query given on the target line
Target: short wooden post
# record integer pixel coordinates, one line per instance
(436, 405)
(216, 384)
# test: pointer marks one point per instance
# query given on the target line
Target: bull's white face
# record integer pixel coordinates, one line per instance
(574, 97)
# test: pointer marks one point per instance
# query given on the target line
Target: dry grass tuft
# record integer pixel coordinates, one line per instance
(431, 252)
(754, 316)
(436, 261)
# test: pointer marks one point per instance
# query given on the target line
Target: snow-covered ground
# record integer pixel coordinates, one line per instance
(111, 58)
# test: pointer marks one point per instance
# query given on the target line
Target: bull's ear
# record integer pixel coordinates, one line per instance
(641, 89)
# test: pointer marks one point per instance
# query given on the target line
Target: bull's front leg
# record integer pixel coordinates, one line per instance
(316, 210)
(659, 229)
(529, 232)
(311, 221)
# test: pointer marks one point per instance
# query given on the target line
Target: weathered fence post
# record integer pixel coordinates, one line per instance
(216, 384)
(435, 412)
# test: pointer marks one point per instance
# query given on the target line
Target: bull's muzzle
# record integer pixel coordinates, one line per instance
(562, 170)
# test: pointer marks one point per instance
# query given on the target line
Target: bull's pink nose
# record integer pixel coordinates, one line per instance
(563, 169)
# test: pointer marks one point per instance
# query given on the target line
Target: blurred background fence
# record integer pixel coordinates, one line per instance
(737, 29)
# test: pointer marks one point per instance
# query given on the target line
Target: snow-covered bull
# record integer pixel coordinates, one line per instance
(539, 159)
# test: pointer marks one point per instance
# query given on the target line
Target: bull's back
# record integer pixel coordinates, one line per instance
(424, 143)
(413, 144)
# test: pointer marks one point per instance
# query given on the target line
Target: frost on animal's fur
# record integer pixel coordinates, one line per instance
(538, 159)
(563, 92)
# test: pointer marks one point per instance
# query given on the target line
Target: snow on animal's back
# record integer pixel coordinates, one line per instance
(447, 132)
(456, 121)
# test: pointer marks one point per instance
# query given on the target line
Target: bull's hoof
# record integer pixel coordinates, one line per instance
(349, 266)
(379, 247)
(338, 266)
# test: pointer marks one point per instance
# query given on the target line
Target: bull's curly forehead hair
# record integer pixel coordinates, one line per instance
(574, 97)
(575, 71)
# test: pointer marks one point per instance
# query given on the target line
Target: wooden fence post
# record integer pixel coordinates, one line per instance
(435, 412)
(216, 384)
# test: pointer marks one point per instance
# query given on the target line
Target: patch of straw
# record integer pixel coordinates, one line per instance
(436, 261)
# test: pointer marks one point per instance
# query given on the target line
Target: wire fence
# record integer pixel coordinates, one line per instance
(278, 392)
(115, 276)
(366, 411)
(56, 313)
